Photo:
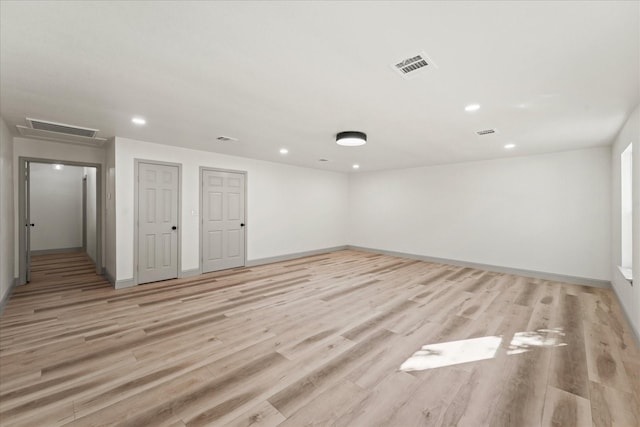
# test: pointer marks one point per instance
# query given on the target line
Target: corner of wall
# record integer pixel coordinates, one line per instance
(7, 256)
(628, 295)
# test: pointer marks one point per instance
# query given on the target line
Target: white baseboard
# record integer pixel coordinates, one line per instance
(287, 257)
(189, 273)
(124, 283)
(56, 251)
(597, 283)
(634, 332)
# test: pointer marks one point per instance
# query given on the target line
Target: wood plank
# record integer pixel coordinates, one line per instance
(565, 409)
(611, 407)
(262, 415)
(329, 407)
(604, 363)
(568, 370)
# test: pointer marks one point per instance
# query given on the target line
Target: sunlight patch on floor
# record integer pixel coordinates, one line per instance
(474, 349)
(542, 338)
(452, 353)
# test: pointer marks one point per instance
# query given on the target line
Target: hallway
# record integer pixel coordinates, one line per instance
(63, 271)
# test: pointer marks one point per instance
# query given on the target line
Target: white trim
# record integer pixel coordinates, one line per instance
(287, 257)
(125, 283)
(189, 273)
(627, 273)
(23, 162)
(57, 251)
(596, 283)
(634, 332)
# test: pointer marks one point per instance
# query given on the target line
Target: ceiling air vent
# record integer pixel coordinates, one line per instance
(226, 139)
(61, 128)
(60, 132)
(486, 132)
(409, 67)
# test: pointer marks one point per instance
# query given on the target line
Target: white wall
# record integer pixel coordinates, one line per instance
(90, 174)
(6, 210)
(628, 295)
(548, 213)
(56, 207)
(289, 210)
(25, 147)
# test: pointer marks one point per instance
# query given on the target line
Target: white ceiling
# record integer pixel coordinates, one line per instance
(550, 76)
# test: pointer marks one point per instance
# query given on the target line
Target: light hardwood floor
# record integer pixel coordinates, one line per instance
(315, 341)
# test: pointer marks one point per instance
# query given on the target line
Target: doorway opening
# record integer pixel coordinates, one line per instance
(58, 210)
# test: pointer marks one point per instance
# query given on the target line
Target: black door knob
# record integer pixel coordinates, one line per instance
(174, 228)
(242, 224)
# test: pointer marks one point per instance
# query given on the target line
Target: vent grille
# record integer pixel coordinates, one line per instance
(59, 137)
(61, 128)
(410, 66)
(226, 138)
(486, 132)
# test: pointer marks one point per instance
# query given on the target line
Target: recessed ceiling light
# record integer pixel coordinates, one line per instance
(57, 167)
(472, 107)
(351, 138)
(283, 151)
(510, 146)
(138, 121)
(356, 166)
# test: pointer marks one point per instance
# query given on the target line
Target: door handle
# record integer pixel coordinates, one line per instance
(27, 225)
(242, 224)
(174, 228)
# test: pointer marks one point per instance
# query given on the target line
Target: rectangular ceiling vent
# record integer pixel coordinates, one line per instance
(413, 65)
(59, 132)
(61, 128)
(226, 139)
(486, 132)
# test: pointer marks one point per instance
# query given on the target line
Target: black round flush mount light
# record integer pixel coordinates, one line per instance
(351, 138)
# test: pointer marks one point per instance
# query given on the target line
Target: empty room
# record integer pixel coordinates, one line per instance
(327, 213)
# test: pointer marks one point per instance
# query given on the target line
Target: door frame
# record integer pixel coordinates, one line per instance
(22, 233)
(84, 213)
(136, 219)
(246, 210)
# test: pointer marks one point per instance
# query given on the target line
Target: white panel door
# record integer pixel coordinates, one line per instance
(157, 222)
(222, 220)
